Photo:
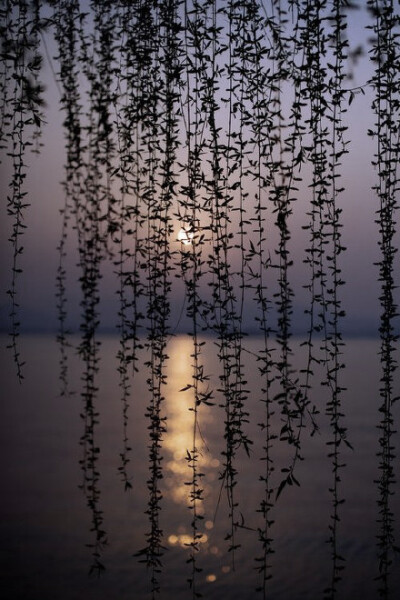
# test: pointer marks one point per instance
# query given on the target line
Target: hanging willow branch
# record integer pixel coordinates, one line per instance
(21, 118)
(191, 258)
(333, 342)
(386, 82)
(163, 139)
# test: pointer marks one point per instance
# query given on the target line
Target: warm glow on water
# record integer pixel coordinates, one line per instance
(184, 540)
(178, 440)
(45, 525)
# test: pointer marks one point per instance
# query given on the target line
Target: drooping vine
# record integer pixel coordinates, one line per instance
(386, 106)
(325, 93)
(334, 343)
(21, 118)
(163, 144)
(191, 240)
(85, 198)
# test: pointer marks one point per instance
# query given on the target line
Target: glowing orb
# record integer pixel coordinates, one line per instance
(185, 236)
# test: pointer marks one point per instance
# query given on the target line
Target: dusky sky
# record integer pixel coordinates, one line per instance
(45, 194)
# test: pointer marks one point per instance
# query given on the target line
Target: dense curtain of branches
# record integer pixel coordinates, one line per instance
(193, 130)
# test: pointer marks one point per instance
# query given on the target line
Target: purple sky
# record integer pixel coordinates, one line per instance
(360, 233)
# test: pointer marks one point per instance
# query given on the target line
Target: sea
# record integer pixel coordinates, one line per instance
(45, 526)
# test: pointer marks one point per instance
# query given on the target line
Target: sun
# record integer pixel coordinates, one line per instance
(185, 236)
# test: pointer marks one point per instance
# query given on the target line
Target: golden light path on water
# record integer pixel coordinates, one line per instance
(178, 442)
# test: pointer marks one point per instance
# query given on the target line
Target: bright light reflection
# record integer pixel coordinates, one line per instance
(184, 540)
(178, 440)
(173, 539)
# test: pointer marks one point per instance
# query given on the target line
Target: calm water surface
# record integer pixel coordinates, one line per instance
(45, 522)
